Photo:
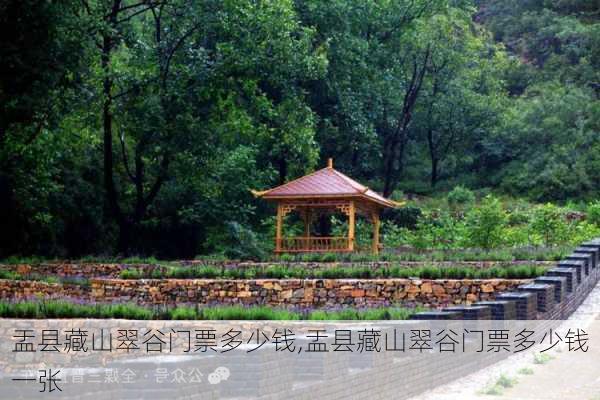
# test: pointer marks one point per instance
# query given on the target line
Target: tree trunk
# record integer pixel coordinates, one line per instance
(282, 170)
(432, 156)
(434, 171)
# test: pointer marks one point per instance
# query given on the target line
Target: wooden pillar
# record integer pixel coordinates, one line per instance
(376, 223)
(279, 227)
(351, 222)
(306, 216)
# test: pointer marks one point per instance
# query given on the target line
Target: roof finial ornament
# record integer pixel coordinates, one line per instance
(330, 162)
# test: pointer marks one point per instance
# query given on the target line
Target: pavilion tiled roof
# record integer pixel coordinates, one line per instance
(324, 183)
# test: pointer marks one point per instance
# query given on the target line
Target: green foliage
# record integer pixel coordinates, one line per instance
(485, 223)
(506, 382)
(240, 242)
(130, 273)
(63, 309)
(150, 146)
(184, 313)
(549, 222)
(593, 213)
(493, 390)
(347, 272)
(460, 197)
(4, 274)
(403, 217)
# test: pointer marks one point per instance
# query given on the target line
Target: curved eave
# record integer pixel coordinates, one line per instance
(382, 202)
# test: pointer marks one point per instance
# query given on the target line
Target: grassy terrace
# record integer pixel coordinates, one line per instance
(295, 272)
(502, 254)
(63, 309)
(358, 272)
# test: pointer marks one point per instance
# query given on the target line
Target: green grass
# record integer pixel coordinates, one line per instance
(35, 260)
(374, 314)
(4, 274)
(247, 313)
(357, 272)
(501, 254)
(65, 309)
(12, 275)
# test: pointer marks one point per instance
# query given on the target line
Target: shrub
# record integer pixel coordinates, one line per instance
(548, 222)
(403, 217)
(4, 274)
(493, 390)
(506, 382)
(460, 197)
(240, 242)
(518, 217)
(130, 273)
(485, 223)
(394, 236)
(593, 213)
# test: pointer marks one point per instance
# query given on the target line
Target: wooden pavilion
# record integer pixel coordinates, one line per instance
(325, 191)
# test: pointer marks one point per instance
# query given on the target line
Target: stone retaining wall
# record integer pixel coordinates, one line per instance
(276, 292)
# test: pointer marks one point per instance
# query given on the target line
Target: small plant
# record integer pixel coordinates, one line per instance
(541, 358)
(130, 273)
(525, 371)
(492, 390)
(506, 382)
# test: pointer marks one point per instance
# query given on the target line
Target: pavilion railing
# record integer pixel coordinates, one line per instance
(313, 243)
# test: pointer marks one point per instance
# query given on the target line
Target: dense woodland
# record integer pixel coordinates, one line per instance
(139, 127)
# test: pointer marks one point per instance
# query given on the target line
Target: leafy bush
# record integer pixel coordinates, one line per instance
(593, 213)
(403, 217)
(438, 229)
(394, 236)
(517, 217)
(485, 223)
(581, 231)
(548, 222)
(506, 382)
(130, 273)
(460, 197)
(241, 242)
(4, 274)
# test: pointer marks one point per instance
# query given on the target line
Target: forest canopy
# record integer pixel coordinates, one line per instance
(140, 126)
